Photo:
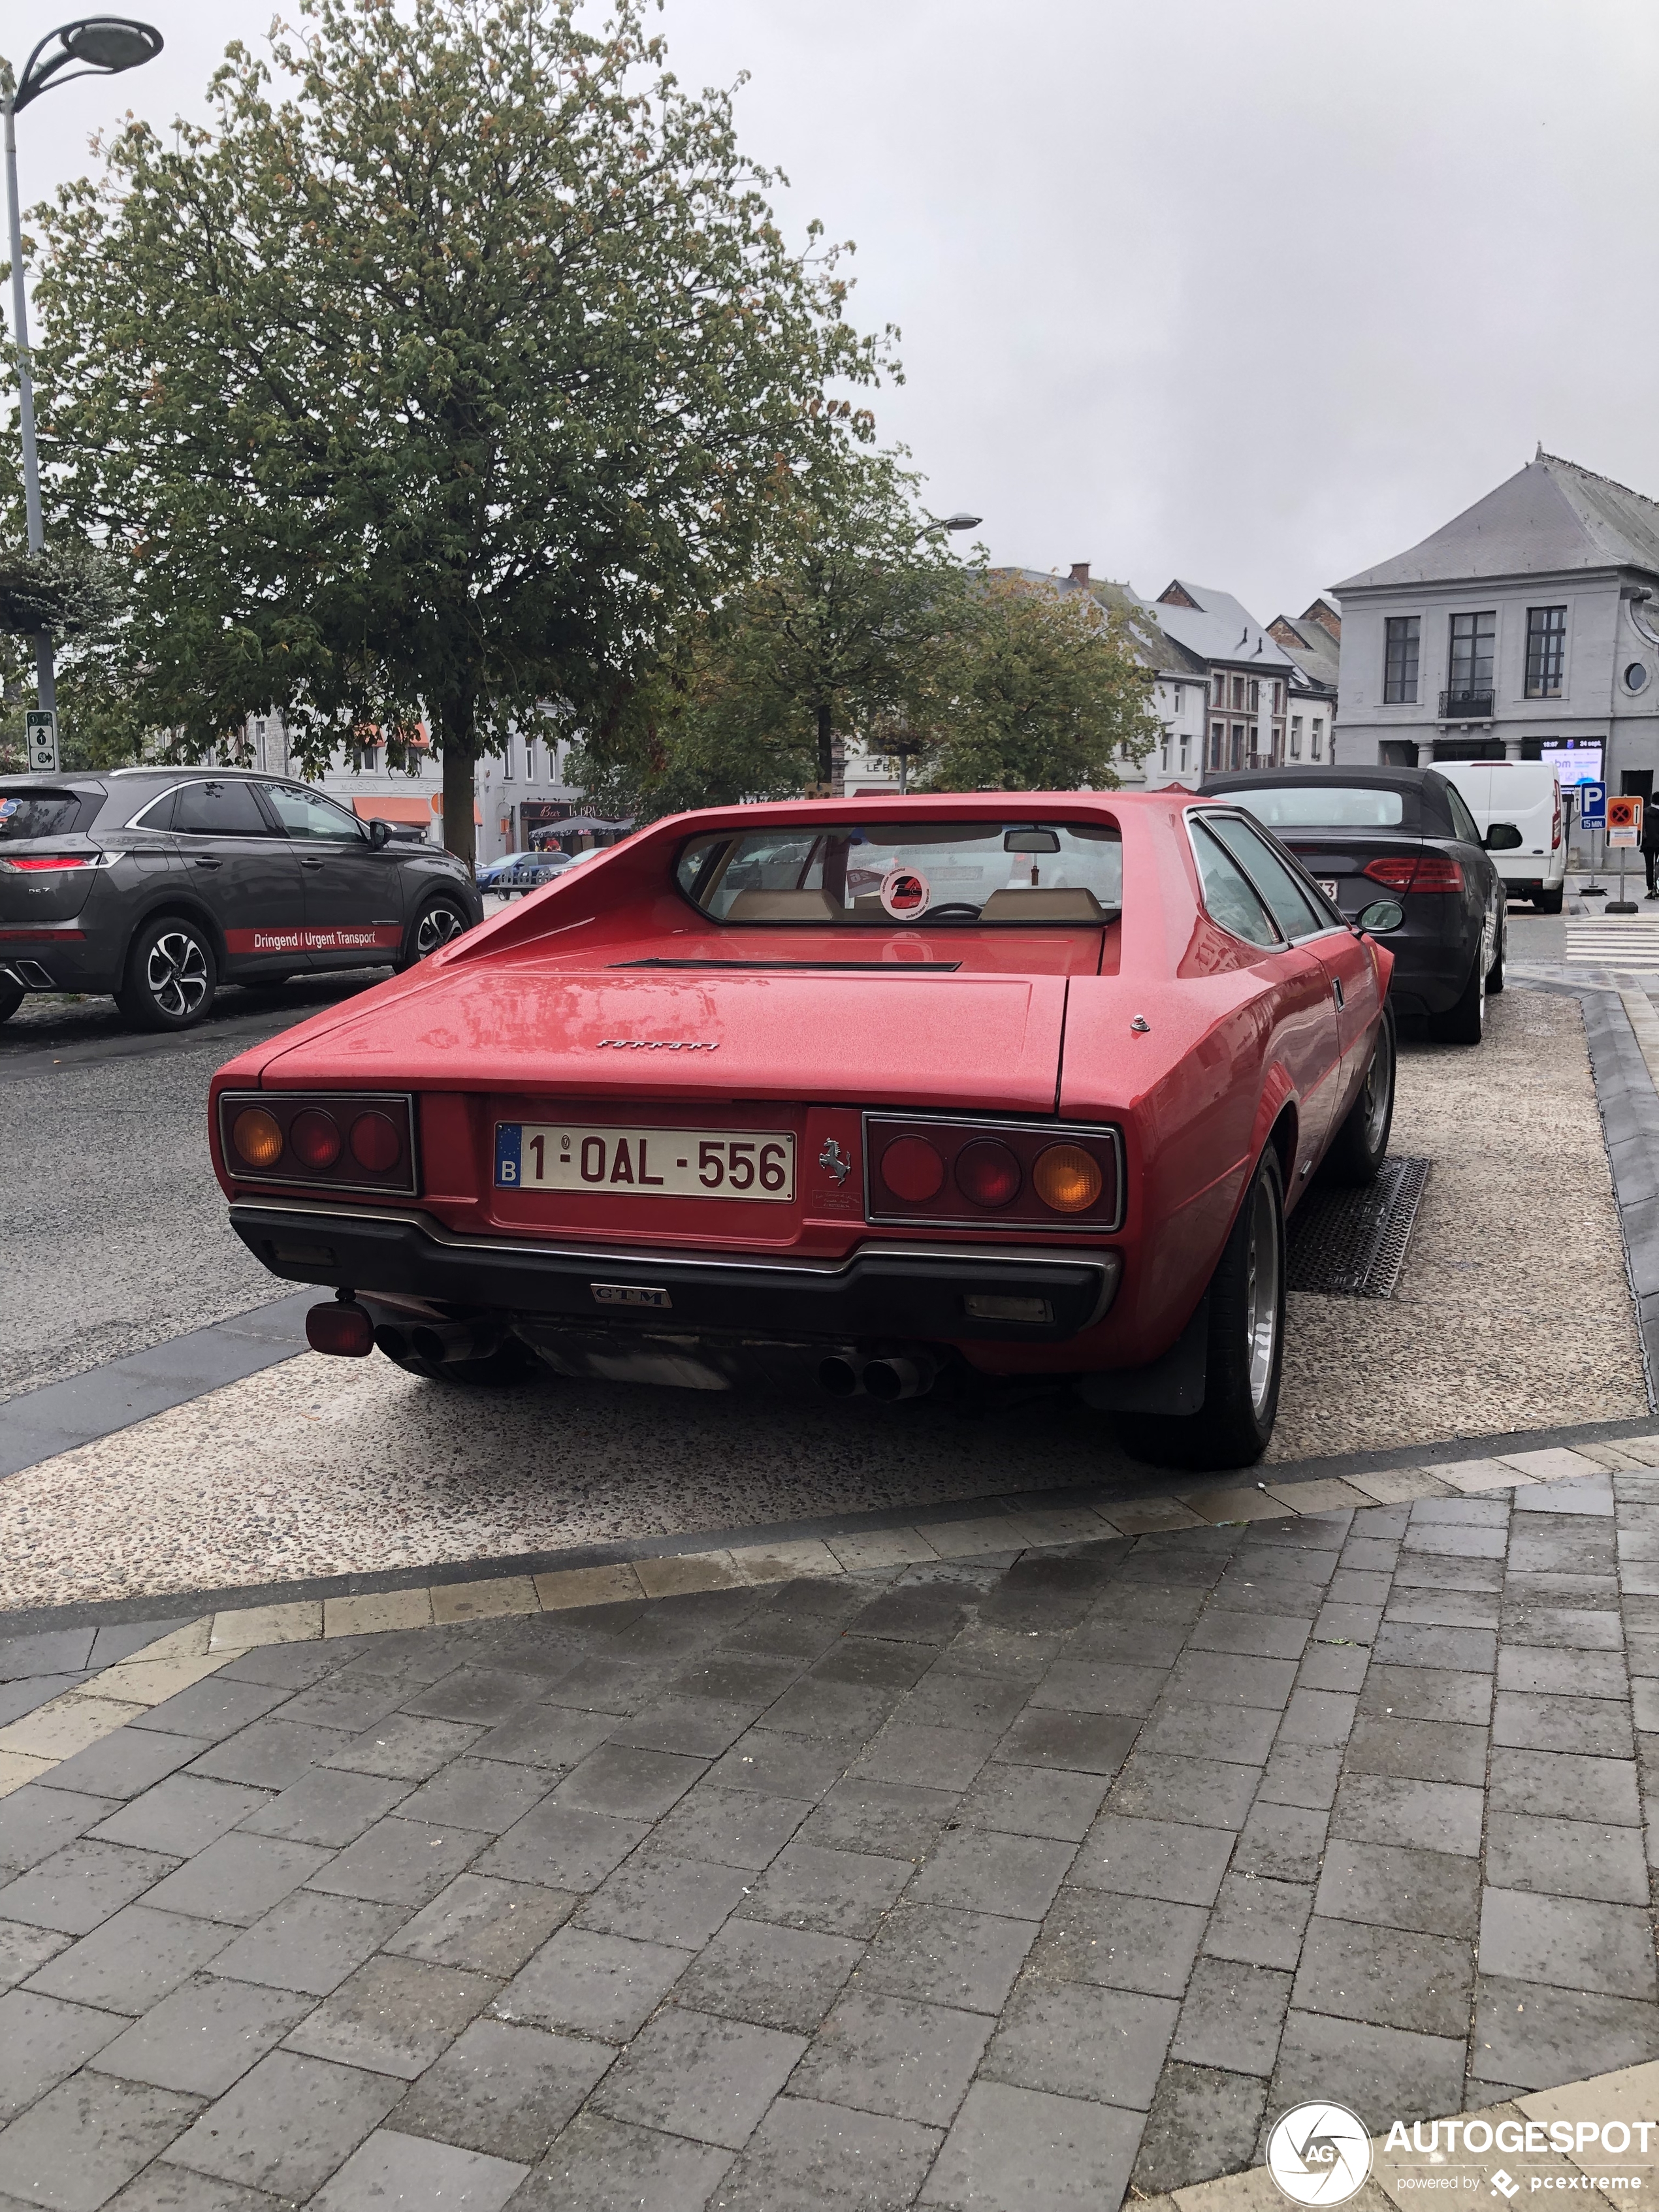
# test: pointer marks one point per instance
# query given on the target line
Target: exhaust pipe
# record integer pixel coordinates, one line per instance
(904, 1376)
(839, 1376)
(440, 1342)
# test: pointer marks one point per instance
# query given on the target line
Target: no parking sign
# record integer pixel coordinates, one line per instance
(1624, 821)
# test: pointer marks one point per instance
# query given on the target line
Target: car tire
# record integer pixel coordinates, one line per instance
(1550, 902)
(1245, 1352)
(1465, 1023)
(12, 996)
(439, 922)
(1495, 973)
(171, 976)
(1361, 1145)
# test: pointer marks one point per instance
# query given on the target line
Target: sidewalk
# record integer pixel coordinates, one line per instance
(1019, 1880)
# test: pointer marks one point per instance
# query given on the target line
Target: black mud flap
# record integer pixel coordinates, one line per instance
(1173, 1384)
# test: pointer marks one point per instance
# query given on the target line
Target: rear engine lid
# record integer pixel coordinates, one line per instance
(921, 1039)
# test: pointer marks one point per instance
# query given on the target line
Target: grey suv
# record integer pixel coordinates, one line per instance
(159, 885)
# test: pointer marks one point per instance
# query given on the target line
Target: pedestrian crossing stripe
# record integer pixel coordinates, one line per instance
(1629, 941)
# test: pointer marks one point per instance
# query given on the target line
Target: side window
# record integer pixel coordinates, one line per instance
(1463, 823)
(307, 814)
(1293, 907)
(1228, 896)
(218, 810)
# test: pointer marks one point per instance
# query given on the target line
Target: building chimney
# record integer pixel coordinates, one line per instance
(1081, 574)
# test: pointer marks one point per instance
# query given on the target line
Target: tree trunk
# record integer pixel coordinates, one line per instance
(459, 738)
(826, 754)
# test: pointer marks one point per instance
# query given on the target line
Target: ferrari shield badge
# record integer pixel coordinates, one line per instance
(905, 893)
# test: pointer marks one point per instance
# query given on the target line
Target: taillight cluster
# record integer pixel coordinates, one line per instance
(37, 863)
(968, 1173)
(1405, 871)
(348, 1140)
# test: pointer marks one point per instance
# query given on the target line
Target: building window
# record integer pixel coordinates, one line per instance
(1217, 740)
(1164, 755)
(1474, 639)
(1402, 648)
(1296, 736)
(507, 762)
(1175, 695)
(1316, 738)
(1186, 755)
(1255, 696)
(1278, 744)
(1219, 687)
(1238, 694)
(1255, 742)
(1547, 651)
(1238, 760)
(1278, 698)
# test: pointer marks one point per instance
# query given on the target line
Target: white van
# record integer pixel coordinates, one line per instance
(1516, 806)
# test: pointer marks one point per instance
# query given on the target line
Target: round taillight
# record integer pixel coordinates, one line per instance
(1067, 1178)
(257, 1137)
(375, 1144)
(315, 1138)
(912, 1170)
(987, 1173)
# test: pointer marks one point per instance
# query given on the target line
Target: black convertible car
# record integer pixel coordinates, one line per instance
(157, 884)
(1367, 834)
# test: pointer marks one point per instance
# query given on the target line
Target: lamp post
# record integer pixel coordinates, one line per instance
(96, 46)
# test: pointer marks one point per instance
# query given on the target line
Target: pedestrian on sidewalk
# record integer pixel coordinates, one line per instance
(1650, 844)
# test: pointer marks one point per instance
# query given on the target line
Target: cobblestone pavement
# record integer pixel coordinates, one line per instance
(1014, 1881)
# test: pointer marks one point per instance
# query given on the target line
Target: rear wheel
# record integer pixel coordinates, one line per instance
(1246, 1347)
(171, 976)
(439, 922)
(1550, 902)
(1465, 1022)
(12, 996)
(1361, 1145)
(1495, 973)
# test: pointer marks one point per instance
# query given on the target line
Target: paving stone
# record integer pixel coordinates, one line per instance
(204, 2036)
(774, 1976)
(1232, 2017)
(406, 1746)
(602, 2166)
(1300, 1774)
(402, 2170)
(1560, 1784)
(593, 1983)
(945, 1956)
(164, 2188)
(1538, 2037)
(42, 2040)
(270, 1753)
(893, 2055)
(1098, 1685)
(837, 1892)
(629, 1783)
(984, 1870)
(1010, 2147)
(1545, 1671)
(1379, 1809)
(133, 1960)
(1154, 1858)
(693, 2074)
(1457, 1543)
(398, 1863)
(1126, 1943)
(1077, 2040)
(1391, 1976)
(1418, 1751)
(1566, 1858)
(74, 2149)
(393, 2015)
(884, 1818)
(664, 1899)
(1203, 2121)
(327, 1806)
(1571, 1942)
(811, 2157)
(1318, 1718)
(209, 1711)
(287, 2124)
(81, 1886)
(492, 1926)
(1225, 1677)
(563, 1846)
(24, 1950)
(1241, 1737)
(1434, 1608)
(1144, 1642)
(19, 1698)
(239, 1878)
(1576, 1628)
(1456, 1651)
(504, 2090)
(35, 1821)
(917, 1612)
(1339, 1656)
(49, 1651)
(820, 1707)
(292, 1666)
(1254, 1635)
(1433, 1893)
(1370, 2068)
(1259, 1923)
(307, 1942)
(732, 1827)
(1593, 1727)
(778, 1765)
(701, 1726)
(1427, 1694)
(1424, 1571)
(182, 1816)
(1153, 1786)
(937, 1757)
(1281, 1843)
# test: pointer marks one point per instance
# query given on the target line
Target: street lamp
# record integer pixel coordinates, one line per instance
(963, 521)
(96, 45)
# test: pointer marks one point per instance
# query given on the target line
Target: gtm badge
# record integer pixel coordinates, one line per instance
(628, 1294)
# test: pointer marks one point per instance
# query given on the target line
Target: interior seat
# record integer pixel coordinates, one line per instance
(1060, 904)
(784, 906)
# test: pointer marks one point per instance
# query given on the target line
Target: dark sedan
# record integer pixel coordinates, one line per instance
(157, 884)
(1369, 834)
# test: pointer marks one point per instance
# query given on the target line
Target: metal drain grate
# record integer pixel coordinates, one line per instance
(1352, 1243)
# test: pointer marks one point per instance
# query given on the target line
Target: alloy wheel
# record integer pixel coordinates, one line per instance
(438, 926)
(1261, 1295)
(176, 975)
(1379, 1087)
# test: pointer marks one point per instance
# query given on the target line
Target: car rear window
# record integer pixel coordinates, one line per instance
(879, 874)
(1323, 806)
(41, 813)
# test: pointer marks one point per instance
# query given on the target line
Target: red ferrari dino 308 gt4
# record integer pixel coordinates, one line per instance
(859, 1094)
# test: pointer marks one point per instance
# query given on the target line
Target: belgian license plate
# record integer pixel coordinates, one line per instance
(1327, 884)
(645, 1162)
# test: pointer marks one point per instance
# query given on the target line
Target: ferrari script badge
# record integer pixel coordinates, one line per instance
(831, 1158)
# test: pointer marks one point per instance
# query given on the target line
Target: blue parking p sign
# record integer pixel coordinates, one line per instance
(1593, 804)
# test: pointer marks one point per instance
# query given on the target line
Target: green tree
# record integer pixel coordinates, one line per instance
(1035, 688)
(445, 385)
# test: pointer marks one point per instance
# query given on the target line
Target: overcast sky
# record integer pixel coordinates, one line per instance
(1255, 292)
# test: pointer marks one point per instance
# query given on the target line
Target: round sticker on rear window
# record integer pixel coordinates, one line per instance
(7, 807)
(905, 893)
